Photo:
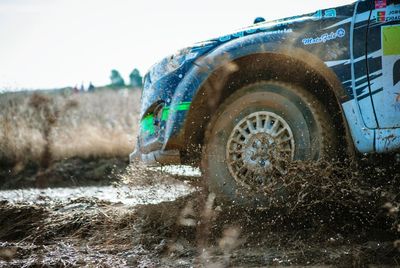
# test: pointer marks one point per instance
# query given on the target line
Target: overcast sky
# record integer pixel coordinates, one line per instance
(58, 43)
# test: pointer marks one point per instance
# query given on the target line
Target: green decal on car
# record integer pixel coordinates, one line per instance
(184, 106)
(165, 114)
(147, 124)
(391, 40)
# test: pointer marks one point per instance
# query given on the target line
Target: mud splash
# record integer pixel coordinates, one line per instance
(333, 216)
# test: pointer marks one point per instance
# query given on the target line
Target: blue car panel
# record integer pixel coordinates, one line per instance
(355, 47)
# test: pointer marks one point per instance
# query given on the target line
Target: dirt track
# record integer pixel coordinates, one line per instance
(342, 223)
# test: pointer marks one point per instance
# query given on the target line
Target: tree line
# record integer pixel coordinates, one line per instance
(135, 79)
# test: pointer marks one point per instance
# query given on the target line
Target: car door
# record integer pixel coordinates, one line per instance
(383, 63)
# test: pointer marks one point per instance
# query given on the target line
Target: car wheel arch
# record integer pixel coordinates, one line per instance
(309, 73)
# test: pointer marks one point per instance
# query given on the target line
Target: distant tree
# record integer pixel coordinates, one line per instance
(135, 79)
(116, 79)
(91, 87)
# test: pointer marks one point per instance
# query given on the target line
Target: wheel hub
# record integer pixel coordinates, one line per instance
(259, 144)
(256, 152)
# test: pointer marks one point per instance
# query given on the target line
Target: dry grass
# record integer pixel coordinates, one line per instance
(100, 124)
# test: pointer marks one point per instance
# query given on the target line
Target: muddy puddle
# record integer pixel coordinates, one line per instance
(126, 195)
(160, 218)
(163, 188)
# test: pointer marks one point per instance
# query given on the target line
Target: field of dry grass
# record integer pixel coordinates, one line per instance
(37, 126)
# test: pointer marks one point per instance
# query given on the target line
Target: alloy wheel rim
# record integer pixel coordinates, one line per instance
(260, 145)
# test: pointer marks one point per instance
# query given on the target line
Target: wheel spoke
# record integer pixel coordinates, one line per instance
(237, 141)
(250, 126)
(244, 133)
(280, 132)
(275, 127)
(259, 122)
(240, 169)
(282, 141)
(266, 123)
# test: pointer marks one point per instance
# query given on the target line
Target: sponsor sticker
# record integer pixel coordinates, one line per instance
(324, 14)
(391, 40)
(390, 14)
(381, 16)
(250, 31)
(340, 33)
(278, 31)
(393, 13)
(391, 64)
(330, 13)
(380, 4)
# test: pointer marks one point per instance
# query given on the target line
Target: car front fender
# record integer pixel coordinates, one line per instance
(263, 43)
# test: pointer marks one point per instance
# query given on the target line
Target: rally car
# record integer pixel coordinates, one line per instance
(307, 87)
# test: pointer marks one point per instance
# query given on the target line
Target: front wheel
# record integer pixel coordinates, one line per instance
(256, 133)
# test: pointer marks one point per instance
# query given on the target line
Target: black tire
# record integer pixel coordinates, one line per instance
(313, 134)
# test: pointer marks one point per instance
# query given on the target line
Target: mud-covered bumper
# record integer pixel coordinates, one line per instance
(156, 158)
(153, 145)
(163, 110)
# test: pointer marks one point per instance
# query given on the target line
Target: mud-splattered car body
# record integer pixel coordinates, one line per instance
(353, 50)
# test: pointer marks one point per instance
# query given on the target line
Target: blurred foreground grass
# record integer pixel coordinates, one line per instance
(37, 127)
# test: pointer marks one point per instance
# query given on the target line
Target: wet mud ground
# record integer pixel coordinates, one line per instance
(331, 216)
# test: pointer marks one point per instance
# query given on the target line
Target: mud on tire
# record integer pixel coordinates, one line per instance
(256, 132)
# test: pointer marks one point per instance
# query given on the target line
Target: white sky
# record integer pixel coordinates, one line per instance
(57, 43)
